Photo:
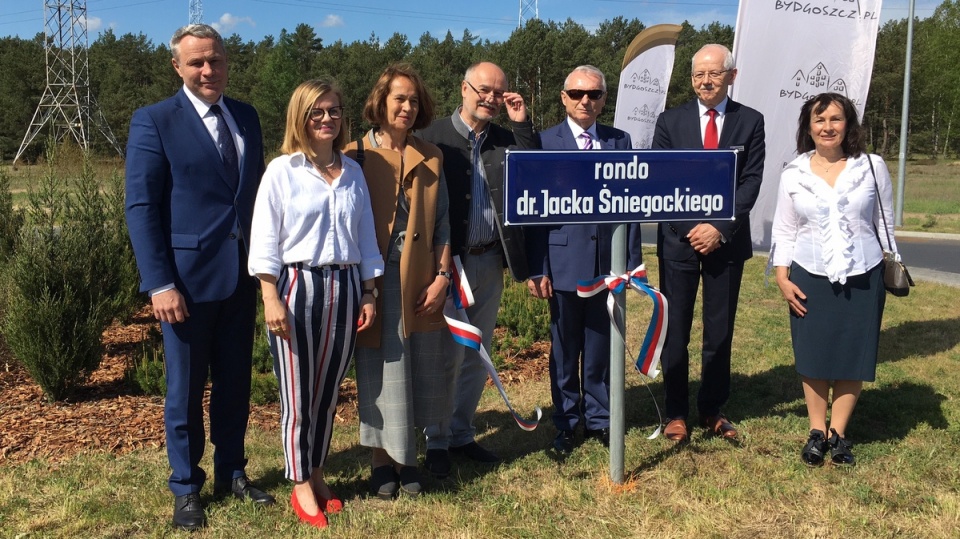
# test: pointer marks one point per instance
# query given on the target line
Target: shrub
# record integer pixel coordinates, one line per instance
(525, 319)
(66, 279)
(147, 373)
(11, 219)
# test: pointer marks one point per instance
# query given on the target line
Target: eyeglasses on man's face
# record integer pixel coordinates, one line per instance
(577, 95)
(485, 93)
(335, 113)
(712, 75)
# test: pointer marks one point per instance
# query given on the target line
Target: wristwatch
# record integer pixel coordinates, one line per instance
(372, 291)
(447, 274)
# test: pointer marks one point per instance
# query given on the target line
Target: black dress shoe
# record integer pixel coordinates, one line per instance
(475, 451)
(437, 462)
(243, 488)
(563, 443)
(188, 512)
(600, 435)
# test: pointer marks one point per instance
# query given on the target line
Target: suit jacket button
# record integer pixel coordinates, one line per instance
(232, 236)
(594, 238)
(416, 236)
(468, 196)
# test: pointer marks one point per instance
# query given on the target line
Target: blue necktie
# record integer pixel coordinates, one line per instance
(228, 150)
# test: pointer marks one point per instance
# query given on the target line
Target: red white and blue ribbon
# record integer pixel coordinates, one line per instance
(648, 360)
(459, 297)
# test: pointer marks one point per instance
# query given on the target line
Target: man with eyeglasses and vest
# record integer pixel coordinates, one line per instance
(710, 251)
(559, 256)
(473, 158)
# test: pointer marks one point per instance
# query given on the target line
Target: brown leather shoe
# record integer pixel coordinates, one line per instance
(719, 425)
(676, 430)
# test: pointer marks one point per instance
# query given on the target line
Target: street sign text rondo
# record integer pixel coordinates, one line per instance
(618, 186)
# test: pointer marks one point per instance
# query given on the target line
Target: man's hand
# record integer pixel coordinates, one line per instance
(540, 287)
(704, 238)
(516, 108)
(169, 306)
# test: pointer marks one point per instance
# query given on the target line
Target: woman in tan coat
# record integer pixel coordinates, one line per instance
(402, 374)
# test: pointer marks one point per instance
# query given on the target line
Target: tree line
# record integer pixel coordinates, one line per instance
(129, 71)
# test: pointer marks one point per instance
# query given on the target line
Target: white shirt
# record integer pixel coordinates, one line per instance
(832, 231)
(299, 217)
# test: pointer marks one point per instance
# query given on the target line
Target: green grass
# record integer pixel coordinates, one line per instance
(906, 483)
(931, 196)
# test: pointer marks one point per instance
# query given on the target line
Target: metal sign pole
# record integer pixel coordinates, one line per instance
(618, 265)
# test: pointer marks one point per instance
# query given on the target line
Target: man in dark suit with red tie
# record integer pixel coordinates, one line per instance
(193, 167)
(709, 251)
(559, 256)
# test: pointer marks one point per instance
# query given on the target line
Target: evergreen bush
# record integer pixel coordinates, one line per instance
(68, 278)
(524, 318)
(147, 373)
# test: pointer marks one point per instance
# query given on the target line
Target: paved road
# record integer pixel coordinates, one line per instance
(929, 257)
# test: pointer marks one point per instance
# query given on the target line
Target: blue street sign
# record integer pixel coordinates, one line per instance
(544, 187)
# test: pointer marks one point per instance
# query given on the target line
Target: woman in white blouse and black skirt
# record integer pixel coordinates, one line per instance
(314, 248)
(828, 259)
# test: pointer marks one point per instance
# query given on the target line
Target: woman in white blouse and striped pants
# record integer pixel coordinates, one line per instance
(312, 244)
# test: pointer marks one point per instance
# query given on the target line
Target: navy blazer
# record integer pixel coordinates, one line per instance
(679, 128)
(568, 253)
(186, 222)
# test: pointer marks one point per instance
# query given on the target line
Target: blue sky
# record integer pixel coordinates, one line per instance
(351, 20)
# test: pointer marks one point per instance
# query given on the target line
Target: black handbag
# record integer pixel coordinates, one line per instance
(896, 278)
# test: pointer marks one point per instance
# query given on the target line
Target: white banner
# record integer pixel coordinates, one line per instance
(788, 52)
(642, 95)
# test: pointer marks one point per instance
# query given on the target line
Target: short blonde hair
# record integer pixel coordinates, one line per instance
(295, 138)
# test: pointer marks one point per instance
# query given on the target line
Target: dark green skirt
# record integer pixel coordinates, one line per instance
(839, 336)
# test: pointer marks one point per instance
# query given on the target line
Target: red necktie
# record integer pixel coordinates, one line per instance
(710, 137)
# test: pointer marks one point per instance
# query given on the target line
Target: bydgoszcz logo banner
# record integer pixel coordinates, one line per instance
(779, 69)
(644, 79)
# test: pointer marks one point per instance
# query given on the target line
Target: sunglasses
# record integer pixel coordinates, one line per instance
(577, 95)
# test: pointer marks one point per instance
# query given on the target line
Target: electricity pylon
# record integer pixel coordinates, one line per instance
(67, 105)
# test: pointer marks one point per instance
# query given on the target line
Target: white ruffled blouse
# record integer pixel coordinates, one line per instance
(832, 231)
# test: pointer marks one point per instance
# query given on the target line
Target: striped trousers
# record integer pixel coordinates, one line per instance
(323, 305)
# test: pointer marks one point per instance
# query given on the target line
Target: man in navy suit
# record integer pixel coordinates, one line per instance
(711, 251)
(193, 166)
(559, 256)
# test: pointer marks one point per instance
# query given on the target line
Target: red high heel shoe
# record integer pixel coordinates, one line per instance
(318, 521)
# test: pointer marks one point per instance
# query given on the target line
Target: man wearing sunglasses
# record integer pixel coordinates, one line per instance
(559, 256)
(711, 251)
(473, 154)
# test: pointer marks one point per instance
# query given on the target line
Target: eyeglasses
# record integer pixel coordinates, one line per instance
(713, 75)
(485, 94)
(335, 113)
(577, 95)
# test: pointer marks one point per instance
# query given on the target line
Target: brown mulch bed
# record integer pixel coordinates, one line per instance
(108, 415)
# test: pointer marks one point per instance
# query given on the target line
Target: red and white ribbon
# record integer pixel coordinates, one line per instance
(459, 297)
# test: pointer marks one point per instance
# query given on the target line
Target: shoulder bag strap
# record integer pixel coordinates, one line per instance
(880, 203)
(359, 158)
